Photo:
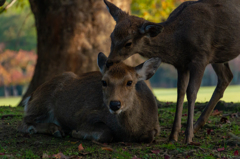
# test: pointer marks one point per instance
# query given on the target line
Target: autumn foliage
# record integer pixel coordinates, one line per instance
(16, 67)
(154, 10)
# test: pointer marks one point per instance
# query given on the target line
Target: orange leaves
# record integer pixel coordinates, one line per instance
(16, 67)
(154, 10)
(107, 148)
(216, 112)
(80, 147)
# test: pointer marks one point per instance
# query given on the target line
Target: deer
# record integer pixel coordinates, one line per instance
(195, 34)
(110, 105)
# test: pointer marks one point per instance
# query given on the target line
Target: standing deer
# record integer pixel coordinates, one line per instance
(114, 105)
(196, 34)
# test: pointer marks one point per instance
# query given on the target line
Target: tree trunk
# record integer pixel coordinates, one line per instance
(70, 34)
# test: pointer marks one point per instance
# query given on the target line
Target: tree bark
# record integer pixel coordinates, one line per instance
(70, 34)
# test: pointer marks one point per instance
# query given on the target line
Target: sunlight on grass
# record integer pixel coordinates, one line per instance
(232, 94)
(13, 101)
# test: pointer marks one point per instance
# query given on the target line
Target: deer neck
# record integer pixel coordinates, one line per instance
(129, 119)
(161, 46)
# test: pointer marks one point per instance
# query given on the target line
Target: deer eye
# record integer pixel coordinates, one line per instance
(128, 44)
(129, 83)
(104, 83)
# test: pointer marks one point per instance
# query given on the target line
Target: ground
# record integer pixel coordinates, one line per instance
(218, 139)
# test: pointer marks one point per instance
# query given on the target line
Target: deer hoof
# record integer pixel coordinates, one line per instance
(32, 130)
(57, 134)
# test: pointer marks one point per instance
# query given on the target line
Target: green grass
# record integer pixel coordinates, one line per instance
(13, 101)
(232, 94)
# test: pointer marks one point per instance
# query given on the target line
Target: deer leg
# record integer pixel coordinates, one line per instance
(196, 74)
(43, 128)
(29, 125)
(224, 78)
(98, 131)
(183, 79)
(46, 128)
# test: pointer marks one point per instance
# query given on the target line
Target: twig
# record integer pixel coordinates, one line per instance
(234, 136)
(98, 143)
(17, 43)
(8, 6)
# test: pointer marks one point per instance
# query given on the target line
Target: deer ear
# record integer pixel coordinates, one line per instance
(101, 61)
(147, 69)
(116, 12)
(151, 29)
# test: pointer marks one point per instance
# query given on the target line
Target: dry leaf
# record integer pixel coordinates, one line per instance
(155, 151)
(216, 112)
(166, 157)
(107, 148)
(209, 131)
(45, 155)
(80, 147)
(236, 153)
(135, 157)
(60, 155)
(220, 149)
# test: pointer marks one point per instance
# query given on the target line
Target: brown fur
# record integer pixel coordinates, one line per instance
(75, 104)
(196, 34)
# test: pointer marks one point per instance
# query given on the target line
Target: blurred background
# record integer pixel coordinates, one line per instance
(67, 35)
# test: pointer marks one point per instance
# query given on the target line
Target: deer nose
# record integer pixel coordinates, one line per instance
(115, 105)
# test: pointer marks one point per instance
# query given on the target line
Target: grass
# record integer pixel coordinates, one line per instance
(13, 101)
(232, 94)
(17, 145)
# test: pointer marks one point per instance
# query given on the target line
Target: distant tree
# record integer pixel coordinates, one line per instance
(17, 29)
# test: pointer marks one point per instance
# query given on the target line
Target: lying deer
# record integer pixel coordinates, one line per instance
(196, 34)
(114, 105)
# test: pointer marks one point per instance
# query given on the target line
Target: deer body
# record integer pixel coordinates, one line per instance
(82, 106)
(196, 34)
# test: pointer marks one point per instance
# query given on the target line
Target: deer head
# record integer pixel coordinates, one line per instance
(131, 34)
(119, 80)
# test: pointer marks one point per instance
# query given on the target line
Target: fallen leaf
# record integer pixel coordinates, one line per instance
(216, 112)
(135, 157)
(107, 148)
(195, 144)
(60, 155)
(220, 149)
(155, 151)
(209, 131)
(236, 153)
(45, 155)
(80, 147)
(166, 157)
